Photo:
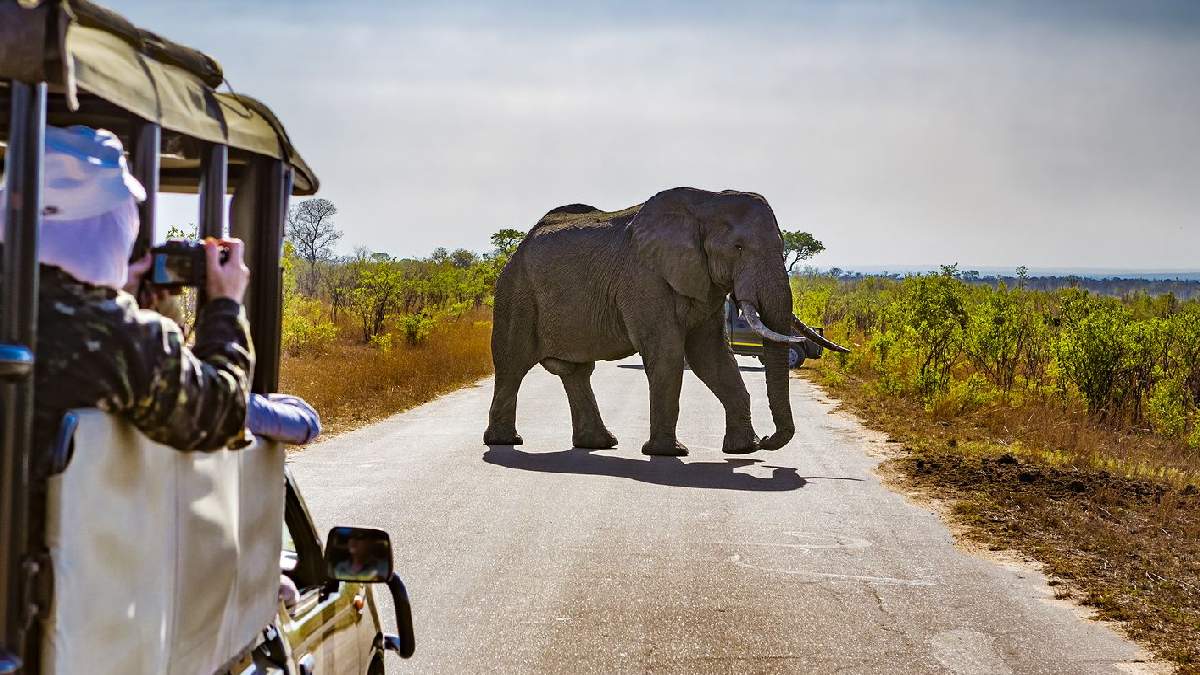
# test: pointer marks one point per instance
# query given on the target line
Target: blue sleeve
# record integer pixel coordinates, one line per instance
(283, 418)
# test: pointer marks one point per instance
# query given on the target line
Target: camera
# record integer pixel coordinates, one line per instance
(180, 264)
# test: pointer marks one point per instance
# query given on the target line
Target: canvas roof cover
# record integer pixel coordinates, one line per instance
(81, 49)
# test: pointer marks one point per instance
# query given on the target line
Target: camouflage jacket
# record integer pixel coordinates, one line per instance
(95, 347)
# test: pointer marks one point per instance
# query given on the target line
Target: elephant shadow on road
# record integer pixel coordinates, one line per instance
(669, 471)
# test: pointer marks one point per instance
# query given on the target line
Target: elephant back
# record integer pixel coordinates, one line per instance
(573, 209)
(575, 216)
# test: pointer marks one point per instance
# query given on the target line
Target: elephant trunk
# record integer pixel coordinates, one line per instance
(777, 314)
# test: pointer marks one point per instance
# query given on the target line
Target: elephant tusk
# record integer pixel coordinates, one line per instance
(817, 337)
(756, 323)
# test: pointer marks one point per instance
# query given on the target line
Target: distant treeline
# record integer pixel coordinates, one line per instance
(1116, 287)
(1113, 287)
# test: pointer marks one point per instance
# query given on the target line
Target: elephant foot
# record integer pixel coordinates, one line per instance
(667, 448)
(491, 437)
(594, 439)
(776, 440)
(742, 443)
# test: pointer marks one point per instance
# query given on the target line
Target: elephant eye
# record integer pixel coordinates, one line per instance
(738, 246)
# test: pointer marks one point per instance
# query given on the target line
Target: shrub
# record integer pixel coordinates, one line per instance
(1133, 362)
(1167, 409)
(1089, 354)
(304, 328)
(1185, 327)
(1003, 335)
(937, 317)
(962, 396)
(416, 327)
(382, 342)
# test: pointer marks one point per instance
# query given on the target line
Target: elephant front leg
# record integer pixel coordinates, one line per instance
(664, 370)
(714, 363)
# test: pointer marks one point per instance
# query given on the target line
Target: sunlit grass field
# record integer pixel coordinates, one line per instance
(353, 384)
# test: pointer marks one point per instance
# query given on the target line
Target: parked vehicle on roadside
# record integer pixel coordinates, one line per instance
(135, 557)
(745, 341)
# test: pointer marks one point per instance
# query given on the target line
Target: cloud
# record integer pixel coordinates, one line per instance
(904, 134)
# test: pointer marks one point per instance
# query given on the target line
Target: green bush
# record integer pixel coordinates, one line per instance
(1167, 409)
(416, 327)
(382, 342)
(937, 319)
(305, 331)
(1134, 362)
(1004, 335)
(1089, 354)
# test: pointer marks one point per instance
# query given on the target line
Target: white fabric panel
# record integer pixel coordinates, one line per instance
(164, 561)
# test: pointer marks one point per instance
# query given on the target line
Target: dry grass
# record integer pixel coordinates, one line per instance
(354, 384)
(1113, 516)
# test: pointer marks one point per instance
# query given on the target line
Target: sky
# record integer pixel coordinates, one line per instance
(992, 134)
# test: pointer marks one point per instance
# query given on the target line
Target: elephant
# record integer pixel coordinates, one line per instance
(587, 285)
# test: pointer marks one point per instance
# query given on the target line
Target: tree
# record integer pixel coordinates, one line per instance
(505, 241)
(338, 280)
(799, 246)
(380, 285)
(462, 258)
(312, 233)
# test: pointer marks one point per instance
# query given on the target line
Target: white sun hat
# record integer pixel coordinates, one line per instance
(89, 215)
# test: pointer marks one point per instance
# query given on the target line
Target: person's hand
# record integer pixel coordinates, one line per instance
(148, 296)
(228, 280)
(137, 270)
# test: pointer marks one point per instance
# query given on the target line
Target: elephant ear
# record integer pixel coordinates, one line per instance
(667, 234)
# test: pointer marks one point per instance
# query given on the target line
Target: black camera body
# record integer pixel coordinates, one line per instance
(180, 264)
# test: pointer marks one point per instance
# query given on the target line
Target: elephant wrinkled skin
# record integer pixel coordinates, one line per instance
(588, 285)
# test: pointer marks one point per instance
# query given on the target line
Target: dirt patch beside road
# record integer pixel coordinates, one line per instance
(1127, 547)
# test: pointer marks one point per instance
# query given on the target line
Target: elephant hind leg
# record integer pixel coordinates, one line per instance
(502, 418)
(514, 346)
(588, 430)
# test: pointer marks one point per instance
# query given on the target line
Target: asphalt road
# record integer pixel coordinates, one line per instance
(544, 558)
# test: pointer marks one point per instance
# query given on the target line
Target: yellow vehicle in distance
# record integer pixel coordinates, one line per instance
(126, 556)
(746, 341)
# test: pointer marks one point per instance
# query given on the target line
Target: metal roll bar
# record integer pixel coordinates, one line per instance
(18, 340)
(267, 201)
(144, 148)
(214, 181)
(266, 283)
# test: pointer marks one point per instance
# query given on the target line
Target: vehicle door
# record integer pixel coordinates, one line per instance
(742, 337)
(323, 626)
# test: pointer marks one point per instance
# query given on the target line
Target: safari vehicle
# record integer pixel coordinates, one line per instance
(127, 556)
(744, 340)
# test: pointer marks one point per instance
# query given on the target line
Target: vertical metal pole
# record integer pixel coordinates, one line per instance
(18, 337)
(214, 181)
(144, 153)
(266, 283)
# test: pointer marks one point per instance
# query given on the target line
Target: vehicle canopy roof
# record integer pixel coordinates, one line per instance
(105, 67)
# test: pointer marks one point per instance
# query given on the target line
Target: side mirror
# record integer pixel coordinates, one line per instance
(358, 554)
(364, 555)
